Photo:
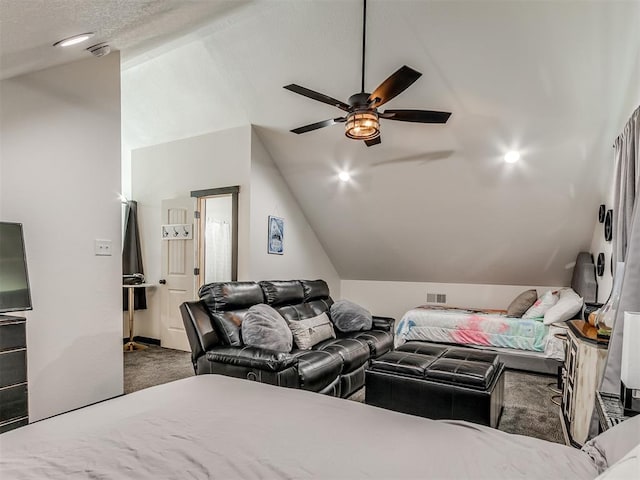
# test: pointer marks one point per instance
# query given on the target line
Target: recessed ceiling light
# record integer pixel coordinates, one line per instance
(67, 42)
(512, 156)
(344, 176)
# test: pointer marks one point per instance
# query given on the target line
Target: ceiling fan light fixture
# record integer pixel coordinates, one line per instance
(362, 125)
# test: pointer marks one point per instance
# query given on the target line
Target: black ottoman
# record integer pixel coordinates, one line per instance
(439, 382)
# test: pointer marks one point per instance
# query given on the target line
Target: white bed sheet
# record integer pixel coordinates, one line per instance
(211, 426)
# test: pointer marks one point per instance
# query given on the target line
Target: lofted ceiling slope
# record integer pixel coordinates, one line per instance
(555, 80)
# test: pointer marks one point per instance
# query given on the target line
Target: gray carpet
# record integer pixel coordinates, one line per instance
(528, 409)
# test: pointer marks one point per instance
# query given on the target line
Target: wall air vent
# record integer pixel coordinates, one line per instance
(436, 298)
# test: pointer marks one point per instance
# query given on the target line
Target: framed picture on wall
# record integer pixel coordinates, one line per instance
(276, 235)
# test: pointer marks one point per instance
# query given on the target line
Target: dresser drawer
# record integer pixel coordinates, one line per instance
(13, 367)
(13, 403)
(12, 335)
(5, 427)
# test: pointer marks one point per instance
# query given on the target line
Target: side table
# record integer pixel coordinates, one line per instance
(130, 346)
(610, 410)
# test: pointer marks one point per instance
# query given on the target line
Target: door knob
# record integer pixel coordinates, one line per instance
(162, 282)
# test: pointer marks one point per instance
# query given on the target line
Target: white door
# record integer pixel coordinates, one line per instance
(178, 281)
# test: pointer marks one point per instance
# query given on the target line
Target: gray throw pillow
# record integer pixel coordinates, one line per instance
(350, 317)
(264, 327)
(311, 331)
(522, 303)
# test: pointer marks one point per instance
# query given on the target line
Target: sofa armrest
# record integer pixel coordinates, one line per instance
(251, 357)
(383, 323)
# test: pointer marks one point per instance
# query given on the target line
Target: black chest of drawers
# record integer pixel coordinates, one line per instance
(13, 373)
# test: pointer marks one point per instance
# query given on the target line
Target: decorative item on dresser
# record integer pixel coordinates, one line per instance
(583, 367)
(13, 373)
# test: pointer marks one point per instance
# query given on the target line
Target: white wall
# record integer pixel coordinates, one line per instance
(393, 299)
(221, 159)
(60, 164)
(173, 170)
(304, 257)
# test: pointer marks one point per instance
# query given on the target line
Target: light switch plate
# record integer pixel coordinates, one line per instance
(102, 247)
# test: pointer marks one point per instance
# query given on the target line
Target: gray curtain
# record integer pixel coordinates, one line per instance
(132, 256)
(627, 174)
(626, 242)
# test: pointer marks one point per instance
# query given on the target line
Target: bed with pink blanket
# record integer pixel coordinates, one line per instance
(487, 328)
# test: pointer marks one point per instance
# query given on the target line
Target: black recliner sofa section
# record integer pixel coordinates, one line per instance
(334, 367)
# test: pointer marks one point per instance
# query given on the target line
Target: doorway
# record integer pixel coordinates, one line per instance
(217, 227)
(209, 255)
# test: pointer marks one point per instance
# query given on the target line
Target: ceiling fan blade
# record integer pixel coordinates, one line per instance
(317, 96)
(373, 141)
(418, 116)
(393, 86)
(315, 126)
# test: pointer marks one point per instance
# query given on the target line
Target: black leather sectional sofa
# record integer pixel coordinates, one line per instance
(333, 367)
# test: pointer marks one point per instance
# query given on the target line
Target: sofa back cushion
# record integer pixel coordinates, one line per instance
(227, 303)
(225, 296)
(314, 289)
(282, 292)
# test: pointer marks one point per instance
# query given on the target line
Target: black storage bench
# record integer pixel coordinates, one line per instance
(439, 382)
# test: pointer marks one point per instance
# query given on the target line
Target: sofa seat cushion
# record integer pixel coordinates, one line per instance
(353, 352)
(251, 357)
(461, 372)
(379, 342)
(317, 369)
(403, 363)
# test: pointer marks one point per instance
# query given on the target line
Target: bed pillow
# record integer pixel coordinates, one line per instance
(263, 327)
(522, 303)
(611, 446)
(311, 331)
(569, 304)
(544, 303)
(625, 468)
(350, 317)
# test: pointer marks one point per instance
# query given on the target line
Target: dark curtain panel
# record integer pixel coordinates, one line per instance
(132, 257)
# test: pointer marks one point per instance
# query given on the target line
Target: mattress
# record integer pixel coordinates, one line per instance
(211, 426)
(486, 328)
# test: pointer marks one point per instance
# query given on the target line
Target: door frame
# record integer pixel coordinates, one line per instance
(201, 196)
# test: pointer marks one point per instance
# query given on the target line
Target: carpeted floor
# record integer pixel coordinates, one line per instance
(528, 409)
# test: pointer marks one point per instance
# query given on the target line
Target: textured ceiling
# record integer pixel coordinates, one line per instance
(555, 79)
(28, 28)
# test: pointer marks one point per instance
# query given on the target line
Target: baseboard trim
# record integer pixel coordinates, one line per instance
(148, 340)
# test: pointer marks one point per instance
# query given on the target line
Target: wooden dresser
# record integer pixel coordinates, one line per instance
(13, 373)
(584, 363)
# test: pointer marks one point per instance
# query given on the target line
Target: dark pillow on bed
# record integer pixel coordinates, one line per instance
(350, 317)
(522, 303)
(264, 327)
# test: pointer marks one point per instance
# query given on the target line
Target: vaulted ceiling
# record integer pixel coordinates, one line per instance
(555, 80)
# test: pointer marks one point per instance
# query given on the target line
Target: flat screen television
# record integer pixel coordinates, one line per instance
(14, 281)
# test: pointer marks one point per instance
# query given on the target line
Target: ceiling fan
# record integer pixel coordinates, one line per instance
(363, 118)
